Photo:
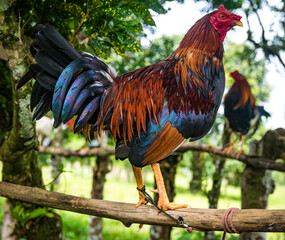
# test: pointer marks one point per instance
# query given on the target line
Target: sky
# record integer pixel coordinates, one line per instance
(181, 17)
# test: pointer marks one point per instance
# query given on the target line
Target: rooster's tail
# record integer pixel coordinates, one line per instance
(259, 112)
(68, 82)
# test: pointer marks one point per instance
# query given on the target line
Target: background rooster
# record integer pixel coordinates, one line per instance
(240, 110)
(150, 111)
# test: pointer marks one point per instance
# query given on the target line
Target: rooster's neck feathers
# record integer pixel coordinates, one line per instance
(194, 63)
(203, 37)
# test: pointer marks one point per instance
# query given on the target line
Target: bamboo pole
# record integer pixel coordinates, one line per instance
(254, 161)
(246, 220)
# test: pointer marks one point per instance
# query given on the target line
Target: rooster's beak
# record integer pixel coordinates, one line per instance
(237, 23)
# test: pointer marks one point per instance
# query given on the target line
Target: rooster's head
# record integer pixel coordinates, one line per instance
(223, 21)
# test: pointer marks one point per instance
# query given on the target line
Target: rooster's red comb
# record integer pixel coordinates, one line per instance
(233, 16)
(237, 76)
(234, 73)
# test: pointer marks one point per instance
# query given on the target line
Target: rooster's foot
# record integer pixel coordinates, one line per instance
(142, 200)
(171, 205)
(229, 149)
(164, 204)
(238, 153)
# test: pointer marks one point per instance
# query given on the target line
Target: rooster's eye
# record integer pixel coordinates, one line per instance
(222, 16)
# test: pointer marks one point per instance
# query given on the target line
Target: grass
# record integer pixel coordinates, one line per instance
(77, 181)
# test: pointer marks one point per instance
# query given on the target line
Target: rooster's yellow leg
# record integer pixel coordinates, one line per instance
(242, 142)
(231, 147)
(138, 175)
(239, 152)
(163, 201)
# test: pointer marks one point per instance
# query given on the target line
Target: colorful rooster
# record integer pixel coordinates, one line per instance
(240, 110)
(150, 111)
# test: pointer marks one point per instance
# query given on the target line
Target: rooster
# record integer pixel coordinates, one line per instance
(240, 110)
(150, 111)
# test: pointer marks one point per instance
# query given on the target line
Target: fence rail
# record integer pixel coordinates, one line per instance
(255, 161)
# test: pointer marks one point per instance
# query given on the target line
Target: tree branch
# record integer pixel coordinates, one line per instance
(254, 161)
(84, 152)
(20, 37)
(79, 26)
(246, 220)
(268, 50)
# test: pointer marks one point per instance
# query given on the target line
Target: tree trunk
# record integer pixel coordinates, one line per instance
(58, 141)
(197, 171)
(100, 170)
(257, 184)
(168, 168)
(18, 151)
(6, 100)
(214, 193)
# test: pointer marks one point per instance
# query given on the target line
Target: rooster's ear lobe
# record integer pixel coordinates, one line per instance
(221, 8)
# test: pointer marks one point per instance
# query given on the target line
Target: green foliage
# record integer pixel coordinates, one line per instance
(228, 4)
(23, 214)
(106, 25)
(4, 5)
(247, 60)
(233, 172)
(75, 226)
(156, 51)
(195, 235)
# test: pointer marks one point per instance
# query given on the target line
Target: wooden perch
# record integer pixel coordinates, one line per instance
(254, 161)
(246, 220)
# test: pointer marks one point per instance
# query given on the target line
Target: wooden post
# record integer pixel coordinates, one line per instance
(257, 183)
(214, 193)
(100, 169)
(197, 171)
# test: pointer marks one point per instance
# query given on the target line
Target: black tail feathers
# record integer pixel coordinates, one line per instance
(260, 111)
(53, 54)
(263, 112)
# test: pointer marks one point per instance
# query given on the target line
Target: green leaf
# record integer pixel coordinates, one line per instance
(74, 9)
(38, 212)
(120, 37)
(121, 14)
(4, 5)
(49, 214)
(61, 166)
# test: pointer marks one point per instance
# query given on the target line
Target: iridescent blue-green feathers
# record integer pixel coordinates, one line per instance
(69, 83)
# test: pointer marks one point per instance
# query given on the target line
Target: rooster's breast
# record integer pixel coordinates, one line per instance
(195, 109)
